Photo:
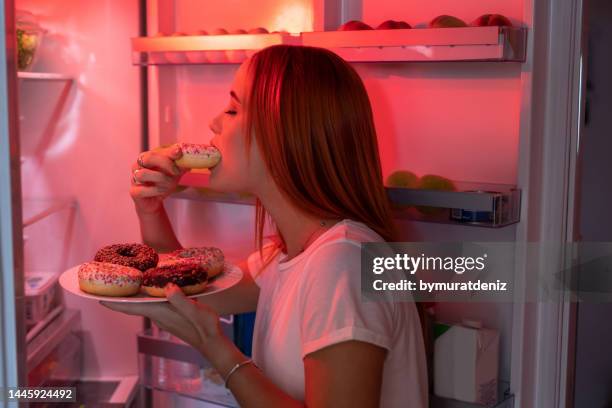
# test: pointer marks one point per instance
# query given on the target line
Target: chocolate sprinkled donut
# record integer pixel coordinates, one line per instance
(181, 274)
(137, 256)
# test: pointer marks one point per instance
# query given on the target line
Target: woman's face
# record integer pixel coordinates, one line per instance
(238, 170)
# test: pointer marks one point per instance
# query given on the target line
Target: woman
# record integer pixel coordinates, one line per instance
(298, 133)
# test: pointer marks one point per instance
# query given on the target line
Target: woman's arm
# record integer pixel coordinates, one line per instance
(157, 232)
(241, 298)
(347, 374)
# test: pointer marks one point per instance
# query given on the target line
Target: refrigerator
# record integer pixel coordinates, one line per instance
(477, 105)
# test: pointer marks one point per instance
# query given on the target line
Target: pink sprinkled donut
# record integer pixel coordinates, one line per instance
(107, 279)
(198, 156)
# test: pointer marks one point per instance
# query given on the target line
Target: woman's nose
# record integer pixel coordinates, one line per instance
(215, 124)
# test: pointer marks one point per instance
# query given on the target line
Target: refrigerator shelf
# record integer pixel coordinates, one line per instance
(407, 45)
(170, 365)
(44, 76)
(498, 203)
(424, 44)
(505, 399)
(203, 49)
(475, 204)
(35, 210)
(51, 336)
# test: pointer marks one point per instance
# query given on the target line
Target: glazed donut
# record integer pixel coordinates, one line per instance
(198, 156)
(137, 256)
(190, 277)
(211, 258)
(107, 279)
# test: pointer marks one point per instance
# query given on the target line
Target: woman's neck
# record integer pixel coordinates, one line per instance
(297, 228)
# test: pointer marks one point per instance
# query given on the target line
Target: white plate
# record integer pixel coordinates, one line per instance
(230, 276)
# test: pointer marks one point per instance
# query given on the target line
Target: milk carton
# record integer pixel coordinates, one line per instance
(466, 363)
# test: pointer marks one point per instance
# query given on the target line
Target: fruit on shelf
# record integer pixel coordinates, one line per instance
(403, 178)
(492, 20)
(258, 30)
(445, 21)
(434, 182)
(354, 25)
(217, 55)
(158, 57)
(176, 57)
(393, 25)
(197, 57)
(236, 55)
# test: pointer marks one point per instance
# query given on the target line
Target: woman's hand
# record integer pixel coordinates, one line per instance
(154, 177)
(195, 323)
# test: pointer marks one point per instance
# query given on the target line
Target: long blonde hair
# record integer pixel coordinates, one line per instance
(311, 118)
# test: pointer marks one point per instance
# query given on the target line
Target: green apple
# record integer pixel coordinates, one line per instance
(434, 182)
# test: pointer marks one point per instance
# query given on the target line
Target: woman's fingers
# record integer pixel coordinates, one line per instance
(152, 176)
(162, 160)
(135, 309)
(203, 318)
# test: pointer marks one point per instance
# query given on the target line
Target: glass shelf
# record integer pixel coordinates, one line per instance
(44, 76)
(505, 399)
(203, 49)
(35, 210)
(501, 44)
(474, 204)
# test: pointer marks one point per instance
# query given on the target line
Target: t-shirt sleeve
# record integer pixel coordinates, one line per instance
(332, 309)
(255, 261)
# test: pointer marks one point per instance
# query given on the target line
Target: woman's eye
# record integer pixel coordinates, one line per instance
(230, 112)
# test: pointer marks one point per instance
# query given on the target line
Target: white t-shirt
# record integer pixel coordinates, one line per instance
(314, 300)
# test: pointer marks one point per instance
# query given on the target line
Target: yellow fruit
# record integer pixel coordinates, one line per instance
(433, 182)
(403, 178)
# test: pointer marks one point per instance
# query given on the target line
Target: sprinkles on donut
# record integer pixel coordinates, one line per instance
(139, 256)
(190, 277)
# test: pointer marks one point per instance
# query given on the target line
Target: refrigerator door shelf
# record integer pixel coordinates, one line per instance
(170, 365)
(499, 44)
(35, 210)
(203, 49)
(478, 204)
(48, 339)
(505, 400)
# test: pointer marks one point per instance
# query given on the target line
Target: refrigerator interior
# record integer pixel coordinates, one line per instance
(80, 136)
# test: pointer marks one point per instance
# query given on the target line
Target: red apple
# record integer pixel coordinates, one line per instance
(238, 31)
(492, 20)
(219, 31)
(445, 21)
(354, 25)
(258, 30)
(393, 25)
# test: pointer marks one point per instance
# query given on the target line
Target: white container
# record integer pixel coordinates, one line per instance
(40, 291)
(466, 364)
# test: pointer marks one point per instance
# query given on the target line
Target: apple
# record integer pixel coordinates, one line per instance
(402, 178)
(258, 30)
(445, 21)
(434, 182)
(197, 57)
(217, 56)
(236, 55)
(491, 20)
(393, 25)
(176, 57)
(354, 25)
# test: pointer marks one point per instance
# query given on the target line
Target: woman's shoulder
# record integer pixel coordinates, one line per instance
(349, 231)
